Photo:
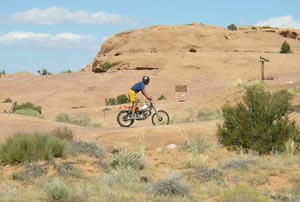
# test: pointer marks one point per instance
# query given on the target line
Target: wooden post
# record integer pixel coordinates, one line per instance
(262, 70)
(263, 60)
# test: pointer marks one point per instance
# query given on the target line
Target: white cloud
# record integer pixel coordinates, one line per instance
(281, 22)
(54, 15)
(49, 41)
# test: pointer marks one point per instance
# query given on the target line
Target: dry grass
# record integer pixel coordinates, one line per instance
(273, 176)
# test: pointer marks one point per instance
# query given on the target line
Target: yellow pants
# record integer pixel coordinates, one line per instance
(132, 96)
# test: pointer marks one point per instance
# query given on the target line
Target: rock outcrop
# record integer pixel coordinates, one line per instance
(161, 47)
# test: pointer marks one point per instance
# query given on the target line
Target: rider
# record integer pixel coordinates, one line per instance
(139, 86)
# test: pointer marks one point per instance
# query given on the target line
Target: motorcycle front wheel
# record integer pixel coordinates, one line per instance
(123, 120)
(161, 117)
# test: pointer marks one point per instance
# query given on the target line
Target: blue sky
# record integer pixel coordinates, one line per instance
(62, 35)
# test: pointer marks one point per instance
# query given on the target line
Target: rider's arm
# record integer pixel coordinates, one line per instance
(145, 94)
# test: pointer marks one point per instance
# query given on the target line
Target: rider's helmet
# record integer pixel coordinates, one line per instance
(146, 80)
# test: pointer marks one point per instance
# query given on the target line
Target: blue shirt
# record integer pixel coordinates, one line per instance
(138, 87)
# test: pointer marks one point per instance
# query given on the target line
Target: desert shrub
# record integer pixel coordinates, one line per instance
(206, 115)
(2, 73)
(78, 119)
(28, 112)
(161, 97)
(81, 120)
(239, 163)
(243, 193)
(171, 186)
(44, 72)
(24, 147)
(289, 34)
(90, 148)
(63, 117)
(30, 170)
(260, 122)
(110, 101)
(232, 27)
(67, 71)
(120, 176)
(121, 99)
(285, 47)
(196, 146)
(204, 175)
(127, 159)
(7, 100)
(66, 169)
(106, 66)
(57, 192)
(26, 105)
(63, 133)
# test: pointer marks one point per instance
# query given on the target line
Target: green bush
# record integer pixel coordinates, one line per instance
(161, 97)
(127, 159)
(24, 147)
(27, 105)
(2, 73)
(63, 133)
(260, 122)
(28, 112)
(285, 47)
(44, 72)
(232, 27)
(106, 66)
(67, 71)
(78, 119)
(58, 192)
(206, 115)
(110, 101)
(121, 99)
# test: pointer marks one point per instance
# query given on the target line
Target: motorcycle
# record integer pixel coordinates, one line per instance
(159, 117)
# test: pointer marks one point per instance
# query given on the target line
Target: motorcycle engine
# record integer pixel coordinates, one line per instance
(142, 115)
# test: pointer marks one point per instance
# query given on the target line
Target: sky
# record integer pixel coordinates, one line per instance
(60, 35)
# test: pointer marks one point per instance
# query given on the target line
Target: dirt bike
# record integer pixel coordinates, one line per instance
(159, 117)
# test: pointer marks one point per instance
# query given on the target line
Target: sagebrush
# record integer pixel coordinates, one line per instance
(260, 122)
(25, 147)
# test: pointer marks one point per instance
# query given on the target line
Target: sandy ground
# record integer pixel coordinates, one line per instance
(224, 60)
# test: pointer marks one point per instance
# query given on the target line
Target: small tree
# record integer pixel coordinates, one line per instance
(44, 72)
(260, 122)
(285, 47)
(2, 73)
(232, 27)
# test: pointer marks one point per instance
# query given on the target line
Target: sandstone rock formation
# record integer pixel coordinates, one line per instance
(190, 46)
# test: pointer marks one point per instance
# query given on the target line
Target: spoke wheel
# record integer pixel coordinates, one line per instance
(123, 120)
(160, 118)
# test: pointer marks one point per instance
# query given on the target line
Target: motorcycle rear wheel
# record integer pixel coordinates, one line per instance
(122, 118)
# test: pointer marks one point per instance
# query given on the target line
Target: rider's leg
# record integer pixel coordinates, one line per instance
(133, 107)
